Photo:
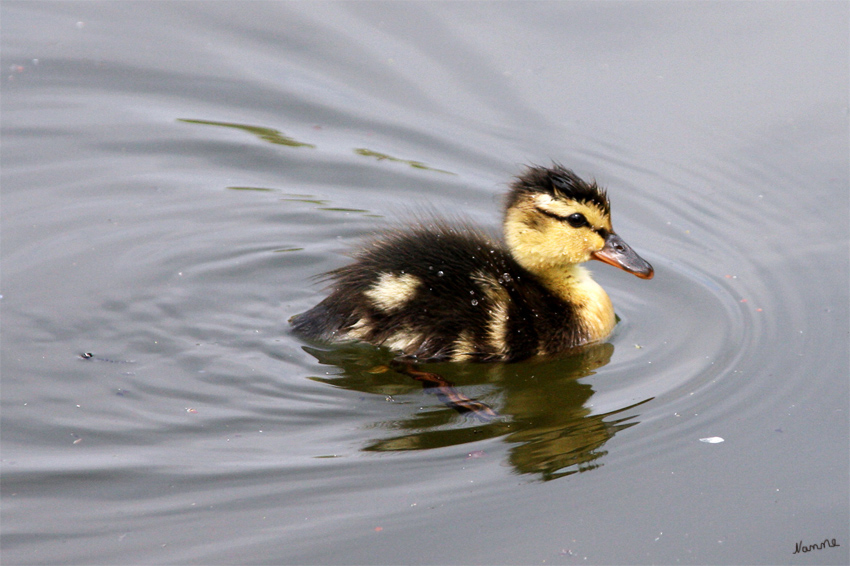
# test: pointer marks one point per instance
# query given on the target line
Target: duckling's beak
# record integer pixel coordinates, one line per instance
(618, 253)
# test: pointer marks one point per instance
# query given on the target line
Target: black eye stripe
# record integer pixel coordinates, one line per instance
(552, 215)
(601, 231)
(576, 219)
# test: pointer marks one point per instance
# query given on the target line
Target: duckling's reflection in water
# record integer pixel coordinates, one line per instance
(537, 406)
(446, 391)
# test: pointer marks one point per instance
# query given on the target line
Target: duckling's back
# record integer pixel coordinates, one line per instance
(443, 291)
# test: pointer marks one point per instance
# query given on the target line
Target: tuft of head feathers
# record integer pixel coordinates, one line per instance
(560, 183)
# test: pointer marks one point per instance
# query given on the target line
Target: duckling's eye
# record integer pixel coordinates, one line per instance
(577, 220)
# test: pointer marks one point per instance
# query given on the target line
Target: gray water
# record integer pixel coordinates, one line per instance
(175, 174)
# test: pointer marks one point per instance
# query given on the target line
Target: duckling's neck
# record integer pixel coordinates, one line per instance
(574, 285)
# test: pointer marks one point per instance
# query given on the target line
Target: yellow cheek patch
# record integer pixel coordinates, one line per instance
(391, 291)
(541, 238)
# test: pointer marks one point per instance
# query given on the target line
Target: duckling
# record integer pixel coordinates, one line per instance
(447, 291)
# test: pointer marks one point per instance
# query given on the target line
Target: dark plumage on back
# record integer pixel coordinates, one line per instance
(441, 291)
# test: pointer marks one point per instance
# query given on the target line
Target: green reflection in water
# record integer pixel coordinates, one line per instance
(337, 209)
(383, 156)
(258, 189)
(277, 137)
(542, 407)
(308, 199)
(267, 134)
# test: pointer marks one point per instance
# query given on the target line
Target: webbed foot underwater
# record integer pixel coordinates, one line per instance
(440, 290)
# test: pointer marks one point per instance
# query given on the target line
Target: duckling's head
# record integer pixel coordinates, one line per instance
(554, 220)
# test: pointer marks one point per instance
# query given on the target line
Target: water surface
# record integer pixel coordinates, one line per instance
(175, 174)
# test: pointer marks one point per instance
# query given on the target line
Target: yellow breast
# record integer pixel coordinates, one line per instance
(574, 285)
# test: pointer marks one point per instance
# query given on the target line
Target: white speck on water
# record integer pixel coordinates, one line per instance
(440, 274)
(711, 440)
(474, 303)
